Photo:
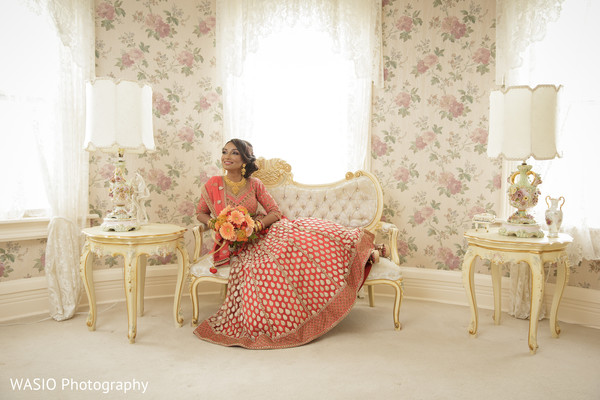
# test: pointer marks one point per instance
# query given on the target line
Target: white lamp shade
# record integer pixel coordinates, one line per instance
(523, 123)
(118, 116)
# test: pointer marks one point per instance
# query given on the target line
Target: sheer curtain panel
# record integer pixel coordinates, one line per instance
(67, 172)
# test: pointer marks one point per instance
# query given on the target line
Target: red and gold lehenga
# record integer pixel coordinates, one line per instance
(290, 286)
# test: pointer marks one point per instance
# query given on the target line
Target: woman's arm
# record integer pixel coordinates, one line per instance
(203, 211)
(266, 200)
(203, 218)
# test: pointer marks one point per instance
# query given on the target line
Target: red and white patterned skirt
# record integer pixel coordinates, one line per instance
(291, 286)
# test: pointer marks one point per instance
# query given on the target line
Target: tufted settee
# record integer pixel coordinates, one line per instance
(356, 201)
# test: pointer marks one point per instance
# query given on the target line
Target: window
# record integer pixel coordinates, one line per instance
(298, 87)
(28, 83)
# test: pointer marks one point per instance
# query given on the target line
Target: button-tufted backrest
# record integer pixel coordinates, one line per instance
(356, 201)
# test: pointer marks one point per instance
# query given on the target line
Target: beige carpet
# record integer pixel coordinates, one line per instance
(433, 357)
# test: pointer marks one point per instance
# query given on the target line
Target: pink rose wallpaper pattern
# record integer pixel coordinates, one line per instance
(429, 122)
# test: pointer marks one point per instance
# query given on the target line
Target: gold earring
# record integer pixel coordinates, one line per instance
(243, 170)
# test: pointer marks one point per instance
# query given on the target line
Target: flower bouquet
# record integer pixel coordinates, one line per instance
(234, 227)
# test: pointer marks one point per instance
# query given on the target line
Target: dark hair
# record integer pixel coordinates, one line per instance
(247, 153)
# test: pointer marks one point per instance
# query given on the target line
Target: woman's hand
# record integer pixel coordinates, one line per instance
(211, 224)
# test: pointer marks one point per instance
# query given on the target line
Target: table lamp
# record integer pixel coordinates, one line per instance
(119, 120)
(523, 124)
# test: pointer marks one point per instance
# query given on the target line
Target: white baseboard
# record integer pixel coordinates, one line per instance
(27, 297)
(578, 306)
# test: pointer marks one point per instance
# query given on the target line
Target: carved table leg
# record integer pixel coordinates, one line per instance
(86, 272)
(182, 273)
(468, 276)
(130, 272)
(497, 289)
(537, 295)
(562, 277)
(141, 275)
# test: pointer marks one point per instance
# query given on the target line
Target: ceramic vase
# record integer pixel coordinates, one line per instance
(523, 194)
(554, 215)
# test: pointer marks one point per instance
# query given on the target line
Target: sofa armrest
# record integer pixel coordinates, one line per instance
(198, 231)
(391, 231)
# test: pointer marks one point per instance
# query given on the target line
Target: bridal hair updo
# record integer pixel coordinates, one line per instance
(247, 153)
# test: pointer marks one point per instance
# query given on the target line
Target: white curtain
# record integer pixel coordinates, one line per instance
(297, 79)
(554, 43)
(67, 170)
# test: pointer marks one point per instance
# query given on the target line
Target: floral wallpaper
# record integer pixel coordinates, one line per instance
(429, 122)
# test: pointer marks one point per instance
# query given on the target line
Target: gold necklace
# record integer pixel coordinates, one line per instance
(235, 186)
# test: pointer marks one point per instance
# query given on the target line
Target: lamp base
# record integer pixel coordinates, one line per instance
(521, 230)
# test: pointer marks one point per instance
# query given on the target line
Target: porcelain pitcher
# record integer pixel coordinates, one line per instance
(554, 215)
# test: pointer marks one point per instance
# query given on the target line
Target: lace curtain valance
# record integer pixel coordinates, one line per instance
(354, 26)
(518, 24)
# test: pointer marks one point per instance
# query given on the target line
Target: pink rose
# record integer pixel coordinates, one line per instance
(451, 260)
(162, 28)
(421, 67)
(186, 58)
(420, 143)
(479, 136)
(379, 147)
(402, 174)
(158, 178)
(427, 211)
(106, 11)
(452, 105)
(418, 217)
(187, 208)
(126, 60)
(482, 56)
(203, 103)
(404, 23)
(428, 137)
(136, 54)
(186, 134)
(430, 60)
(205, 26)
(453, 26)
(403, 248)
(163, 106)
(155, 22)
(454, 186)
(497, 181)
(165, 182)
(403, 100)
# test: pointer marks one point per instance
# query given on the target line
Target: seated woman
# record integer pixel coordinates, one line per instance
(292, 284)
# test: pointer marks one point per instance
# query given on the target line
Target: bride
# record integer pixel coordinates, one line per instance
(292, 284)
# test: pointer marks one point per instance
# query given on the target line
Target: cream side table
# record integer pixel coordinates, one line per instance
(499, 249)
(135, 247)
